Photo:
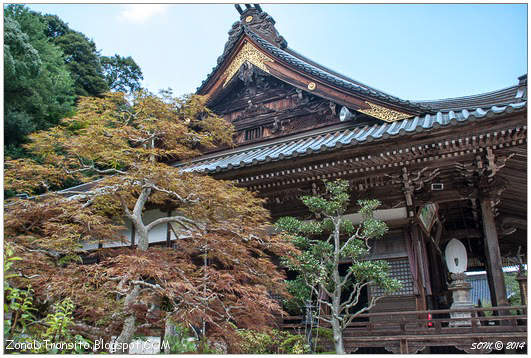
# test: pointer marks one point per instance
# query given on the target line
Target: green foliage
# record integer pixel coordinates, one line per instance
(22, 326)
(18, 303)
(336, 202)
(60, 337)
(122, 73)
(83, 62)
(323, 339)
(274, 342)
(182, 342)
(326, 242)
(80, 56)
(59, 321)
(20, 309)
(46, 65)
(513, 287)
(38, 90)
(300, 293)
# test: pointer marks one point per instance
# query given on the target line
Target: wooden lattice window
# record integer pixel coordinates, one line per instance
(253, 133)
(398, 269)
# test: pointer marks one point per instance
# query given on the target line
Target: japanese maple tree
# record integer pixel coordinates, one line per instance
(217, 275)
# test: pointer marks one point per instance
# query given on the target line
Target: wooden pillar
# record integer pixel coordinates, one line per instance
(133, 233)
(416, 238)
(522, 282)
(498, 293)
(168, 232)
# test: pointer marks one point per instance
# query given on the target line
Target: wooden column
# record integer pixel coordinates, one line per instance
(133, 233)
(522, 283)
(168, 232)
(495, 277)
(415, 238)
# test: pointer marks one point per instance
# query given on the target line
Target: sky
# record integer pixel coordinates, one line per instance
(412, 51)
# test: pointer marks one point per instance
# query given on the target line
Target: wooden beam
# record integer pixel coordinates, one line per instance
(498, 293)
(168, 232)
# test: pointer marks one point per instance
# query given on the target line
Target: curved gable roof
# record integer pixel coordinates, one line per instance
(264, 35)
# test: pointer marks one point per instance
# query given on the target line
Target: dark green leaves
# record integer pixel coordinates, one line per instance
(38, 90)
(122, 73)
(319, 260)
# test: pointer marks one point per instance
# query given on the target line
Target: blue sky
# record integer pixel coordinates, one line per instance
(410, 51)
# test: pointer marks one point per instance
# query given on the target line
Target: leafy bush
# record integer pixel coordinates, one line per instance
(274, 342)
(22, 326)
(182, 342)
(323, 339)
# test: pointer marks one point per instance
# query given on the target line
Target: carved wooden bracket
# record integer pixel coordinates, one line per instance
(496, 164)
(393, 348)
(413, 181)
(403, 347)
(352, 350)
(415, 349)
(480, 177)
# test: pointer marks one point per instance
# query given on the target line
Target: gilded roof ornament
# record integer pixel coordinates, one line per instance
(248, 53)
(383, 113)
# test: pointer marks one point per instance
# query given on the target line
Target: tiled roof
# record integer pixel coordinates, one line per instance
(281, 52)
(480, 289)
(330, 77)
(504, 96)
(348, 134)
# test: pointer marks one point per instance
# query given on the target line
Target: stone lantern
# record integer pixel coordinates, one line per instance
(456, 261)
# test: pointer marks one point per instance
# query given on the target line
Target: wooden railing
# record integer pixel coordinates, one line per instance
(394, 330)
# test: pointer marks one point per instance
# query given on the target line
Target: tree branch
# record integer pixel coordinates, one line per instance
(354, 236)
(177, 219)
(174, 194)
(141, 201)
(324, 319)
(146, 284)
(85, 167)
(126, 209)
(51, 253)
(352, 302)
(345, 279)
(365, 309)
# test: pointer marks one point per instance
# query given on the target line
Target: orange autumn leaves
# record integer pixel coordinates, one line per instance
(121, 146)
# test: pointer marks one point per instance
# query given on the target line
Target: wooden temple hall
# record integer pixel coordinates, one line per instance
(443, 169)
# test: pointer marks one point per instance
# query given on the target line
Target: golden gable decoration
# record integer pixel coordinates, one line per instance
(247, 53)
(383, 113)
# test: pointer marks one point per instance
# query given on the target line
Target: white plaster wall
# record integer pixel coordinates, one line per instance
(157, 234)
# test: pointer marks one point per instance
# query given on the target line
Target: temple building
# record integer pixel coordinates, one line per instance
(443, 169)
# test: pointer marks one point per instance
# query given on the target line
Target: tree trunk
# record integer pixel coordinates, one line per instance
(169, 331)
(338, 336)
(143, 237)
(336, 299)
(129, 328)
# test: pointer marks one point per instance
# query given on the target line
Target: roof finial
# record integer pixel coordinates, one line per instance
(249, 9)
